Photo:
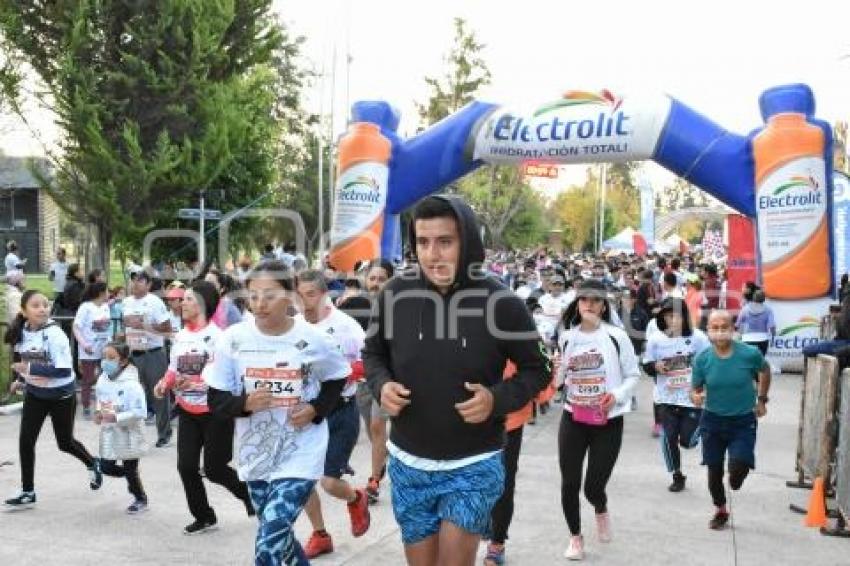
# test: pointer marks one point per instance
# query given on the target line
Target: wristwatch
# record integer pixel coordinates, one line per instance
(763, 399)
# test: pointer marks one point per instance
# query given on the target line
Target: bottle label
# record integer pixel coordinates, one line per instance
(361, 195)
(791, 205)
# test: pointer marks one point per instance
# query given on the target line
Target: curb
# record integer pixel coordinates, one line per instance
(11, 409)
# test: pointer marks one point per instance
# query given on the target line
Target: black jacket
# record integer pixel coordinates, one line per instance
(433, 343)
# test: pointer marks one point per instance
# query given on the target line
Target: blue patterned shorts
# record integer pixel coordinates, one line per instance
(278, 504)
(463, 497)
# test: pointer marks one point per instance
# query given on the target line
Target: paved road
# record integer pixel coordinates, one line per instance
(73, 525)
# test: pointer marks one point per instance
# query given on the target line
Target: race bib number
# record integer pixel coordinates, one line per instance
(137, 339)
(285, 385)
(678, 380)
(586, 389)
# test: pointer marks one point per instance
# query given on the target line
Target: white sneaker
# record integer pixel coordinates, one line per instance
(575, 551)
(603, 527)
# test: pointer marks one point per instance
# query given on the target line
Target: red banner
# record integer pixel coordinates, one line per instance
(639, 244)
(532, 169)
(741, 263)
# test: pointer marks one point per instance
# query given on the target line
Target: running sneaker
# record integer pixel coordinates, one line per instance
(603, 527)
(199, 527)
(95, 475)
(137, 506)
(319, 543)
(678, 482)
(26, 500)
(718, 522)
(358, 512)
(495, 555)
(575, 551)
(373, 490)
(656, 430)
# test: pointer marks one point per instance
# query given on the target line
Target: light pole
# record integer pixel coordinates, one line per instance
(202, 243)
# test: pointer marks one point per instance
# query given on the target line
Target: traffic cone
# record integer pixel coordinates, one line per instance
(816, 516)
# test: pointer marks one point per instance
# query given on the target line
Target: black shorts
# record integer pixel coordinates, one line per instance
(343, 430)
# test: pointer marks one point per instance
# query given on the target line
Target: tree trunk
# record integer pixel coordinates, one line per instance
(104, 242)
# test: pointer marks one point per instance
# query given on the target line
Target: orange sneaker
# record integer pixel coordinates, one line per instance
(319, 543)
(358, 511)
(373, 490)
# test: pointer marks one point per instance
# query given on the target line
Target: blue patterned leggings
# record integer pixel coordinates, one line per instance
(278, 504)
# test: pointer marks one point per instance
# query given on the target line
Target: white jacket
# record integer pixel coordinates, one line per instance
(621, 368)
(124, 396)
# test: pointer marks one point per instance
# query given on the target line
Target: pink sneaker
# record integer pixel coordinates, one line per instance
(575, 551)
(603, 527)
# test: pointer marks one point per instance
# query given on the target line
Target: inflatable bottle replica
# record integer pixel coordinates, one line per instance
(791, 199)
(361, 196)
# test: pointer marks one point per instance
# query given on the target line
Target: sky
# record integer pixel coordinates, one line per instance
(716, 57)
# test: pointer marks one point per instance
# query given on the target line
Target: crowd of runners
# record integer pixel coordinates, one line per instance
(442, 360)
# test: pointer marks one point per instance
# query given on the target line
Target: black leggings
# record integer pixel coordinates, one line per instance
(215, 437)
(738, 472)
(602, 445)
(503, 511)
(681, 428)
(61, 413)
(762, 346)
(128, 469)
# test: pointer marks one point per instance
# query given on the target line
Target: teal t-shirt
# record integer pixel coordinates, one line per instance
(729, 382)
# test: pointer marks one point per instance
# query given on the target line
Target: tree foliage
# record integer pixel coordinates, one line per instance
(503, 202)
(157, 100)
(466, 72)
(576, 209)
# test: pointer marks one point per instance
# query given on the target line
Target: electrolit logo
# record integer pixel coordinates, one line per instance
(807, 193)
(797, 181)
(803, 322)
(611, 121)
(788, 339)
(580, 98)
(361, 189)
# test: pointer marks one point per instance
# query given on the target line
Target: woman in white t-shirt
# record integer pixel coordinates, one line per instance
(600, 370)
(278, 377)
(669, 358)
(46, 374)
(92, 329)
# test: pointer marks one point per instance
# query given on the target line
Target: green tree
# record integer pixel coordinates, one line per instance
(466, 72)
(157, 100)
(504, 203)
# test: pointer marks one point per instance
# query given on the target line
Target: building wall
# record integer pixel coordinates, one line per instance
(48, 221)
(19, 221)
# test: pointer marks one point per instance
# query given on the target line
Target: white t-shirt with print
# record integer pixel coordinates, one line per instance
(95, 326)
(48, 346)
(592, 365)
(554, 307)
(12, 262)
(348, 336)
(292, 365)
(60, 273)
(192, 355)
(151, 311)
(674, 386)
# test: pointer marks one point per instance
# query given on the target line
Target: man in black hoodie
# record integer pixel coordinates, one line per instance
(435, 353)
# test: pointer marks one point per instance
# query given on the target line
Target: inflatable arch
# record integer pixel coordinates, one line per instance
(776, 175)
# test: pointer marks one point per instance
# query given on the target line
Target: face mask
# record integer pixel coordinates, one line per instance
(109, 367)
